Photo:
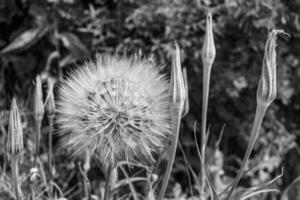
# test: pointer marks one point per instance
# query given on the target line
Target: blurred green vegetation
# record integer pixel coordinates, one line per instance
(48, 36)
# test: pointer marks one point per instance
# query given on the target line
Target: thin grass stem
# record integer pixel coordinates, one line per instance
(187, 170)
(176, 117)
(259, 115)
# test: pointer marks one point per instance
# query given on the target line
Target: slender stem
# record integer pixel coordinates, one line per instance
(107, 193)
(206, 80)
(38, 124)
(15, 172)
(51, 118)
(43, 177)
(176, 117)
(113, 180)
(259, 115)
(86, 182)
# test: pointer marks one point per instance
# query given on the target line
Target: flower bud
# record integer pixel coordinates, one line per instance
(178, 93)
(50, 106)
(267, 89)
(38, 100)
(14, 143)
(208, 48)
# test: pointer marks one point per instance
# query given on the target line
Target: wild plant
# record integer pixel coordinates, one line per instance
(208, 57)
(38, 113)
(14, 146)
(121, 110)
(266, 93)
(177, 99)
(116, 108)
(50, 108)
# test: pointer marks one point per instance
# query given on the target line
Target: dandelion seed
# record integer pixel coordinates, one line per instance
(116, 107)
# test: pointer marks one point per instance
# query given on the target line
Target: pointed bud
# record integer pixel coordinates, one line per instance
(38, 100)
(50, 99)
(14, 143)
(178, 93)
(267, 89)
(208, 48)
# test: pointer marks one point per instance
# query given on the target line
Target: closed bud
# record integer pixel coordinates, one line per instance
(50, 106)
(178, 93)
(38, 100)
(14, 143)
(267, 89)
(208, 48)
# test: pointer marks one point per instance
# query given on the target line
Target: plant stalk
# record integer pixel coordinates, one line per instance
(51, 118)
(107, 192)
(259, 115)
(86, 182)
(206, 80)
(38, 124)
(15, 174)
(176, 118)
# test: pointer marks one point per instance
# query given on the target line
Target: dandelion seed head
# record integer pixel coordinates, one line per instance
(116, 107)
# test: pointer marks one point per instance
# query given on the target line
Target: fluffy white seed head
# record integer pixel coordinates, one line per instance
(116, 107)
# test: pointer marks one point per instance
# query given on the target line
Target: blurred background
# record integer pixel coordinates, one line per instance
(48, 36)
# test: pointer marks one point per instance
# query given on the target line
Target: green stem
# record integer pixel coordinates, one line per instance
(176, 117)
(38, 124)
(15, 172)
(206, 80)
(113, 181)
(107, 192)
(259, 115)
(86, 182)
(51, 118)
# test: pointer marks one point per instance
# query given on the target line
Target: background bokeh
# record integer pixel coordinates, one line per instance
(48, 36)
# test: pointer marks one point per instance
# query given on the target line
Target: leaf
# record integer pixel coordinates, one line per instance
(73, 44)
(292, 191)
(244, 194)
(25, 40)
